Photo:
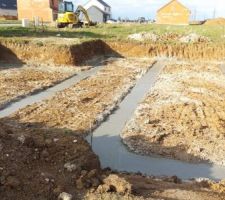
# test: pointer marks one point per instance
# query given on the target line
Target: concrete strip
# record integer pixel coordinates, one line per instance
(106, 142)
(47, 93)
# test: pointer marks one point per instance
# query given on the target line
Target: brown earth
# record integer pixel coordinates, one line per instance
(189, 51)
(83, 106)
(217, 21)
(57, 53)
(183, 115)
(37, 164)
(64, 52)
(18, 81)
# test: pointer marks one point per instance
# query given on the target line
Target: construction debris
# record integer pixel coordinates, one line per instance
(193, 38)
(144, 36)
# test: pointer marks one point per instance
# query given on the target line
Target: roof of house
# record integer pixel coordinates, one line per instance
(102, 2)
(8, 4)
(172, 2)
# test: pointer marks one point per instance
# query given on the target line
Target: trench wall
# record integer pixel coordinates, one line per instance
(201, 51)
(53, 54)
(80, 53)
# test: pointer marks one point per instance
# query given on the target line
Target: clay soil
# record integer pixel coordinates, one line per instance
(18, 81)
(83, 106)
(183, 116)
(217, 21)
(37, 165)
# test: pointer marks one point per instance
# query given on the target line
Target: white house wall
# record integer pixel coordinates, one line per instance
(97, 4)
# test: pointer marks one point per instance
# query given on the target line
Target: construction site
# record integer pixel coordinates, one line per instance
(112, 111)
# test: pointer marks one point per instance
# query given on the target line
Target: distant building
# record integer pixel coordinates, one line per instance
(173, 13)
(98, 10)
(46, 10)
(8, 8)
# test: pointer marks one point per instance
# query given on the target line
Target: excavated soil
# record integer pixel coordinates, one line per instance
(19, 81)
(83, 106)
(190, 51)
(62, 51)
(183, 116)
(51, 164)
(217, 21)
(37, 164)
(67, 51)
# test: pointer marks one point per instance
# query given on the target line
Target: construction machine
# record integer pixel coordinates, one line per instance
(68, 18)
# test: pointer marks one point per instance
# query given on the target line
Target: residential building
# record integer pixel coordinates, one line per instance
(173, 13)
(98, 11)
(46, 10)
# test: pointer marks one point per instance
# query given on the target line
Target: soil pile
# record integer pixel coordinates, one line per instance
(83, 106)
(193, 38)
(217, 21)
(38, 164)
(190, 38)
(144, 36)
(183, 116)
(155, 188)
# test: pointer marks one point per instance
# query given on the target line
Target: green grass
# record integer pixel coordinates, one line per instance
(115, 31)
(10, 21)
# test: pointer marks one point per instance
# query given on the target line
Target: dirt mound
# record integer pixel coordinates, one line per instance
(217, 21)
(144, 36)
(114, 183)
(42, 164)
(193, 38)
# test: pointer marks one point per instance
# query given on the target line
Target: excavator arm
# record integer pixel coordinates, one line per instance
(81, 9)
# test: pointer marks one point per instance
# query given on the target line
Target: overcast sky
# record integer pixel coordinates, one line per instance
(201, 9)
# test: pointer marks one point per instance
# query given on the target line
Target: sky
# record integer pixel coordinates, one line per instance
(132, 9)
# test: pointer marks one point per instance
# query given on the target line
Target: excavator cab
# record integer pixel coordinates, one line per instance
(66, 15)
(68, 18)
(66, 7)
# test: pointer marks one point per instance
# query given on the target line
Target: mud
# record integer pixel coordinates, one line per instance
(183, 115)
(83, 106)
(19, 81)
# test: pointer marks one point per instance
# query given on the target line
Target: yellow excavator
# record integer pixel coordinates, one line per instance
(68, 18)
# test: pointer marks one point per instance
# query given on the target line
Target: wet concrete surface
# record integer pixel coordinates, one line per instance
(106, 141)
(48, 93)
(107, 144)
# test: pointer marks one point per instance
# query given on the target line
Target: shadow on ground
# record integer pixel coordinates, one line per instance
(7, 56)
